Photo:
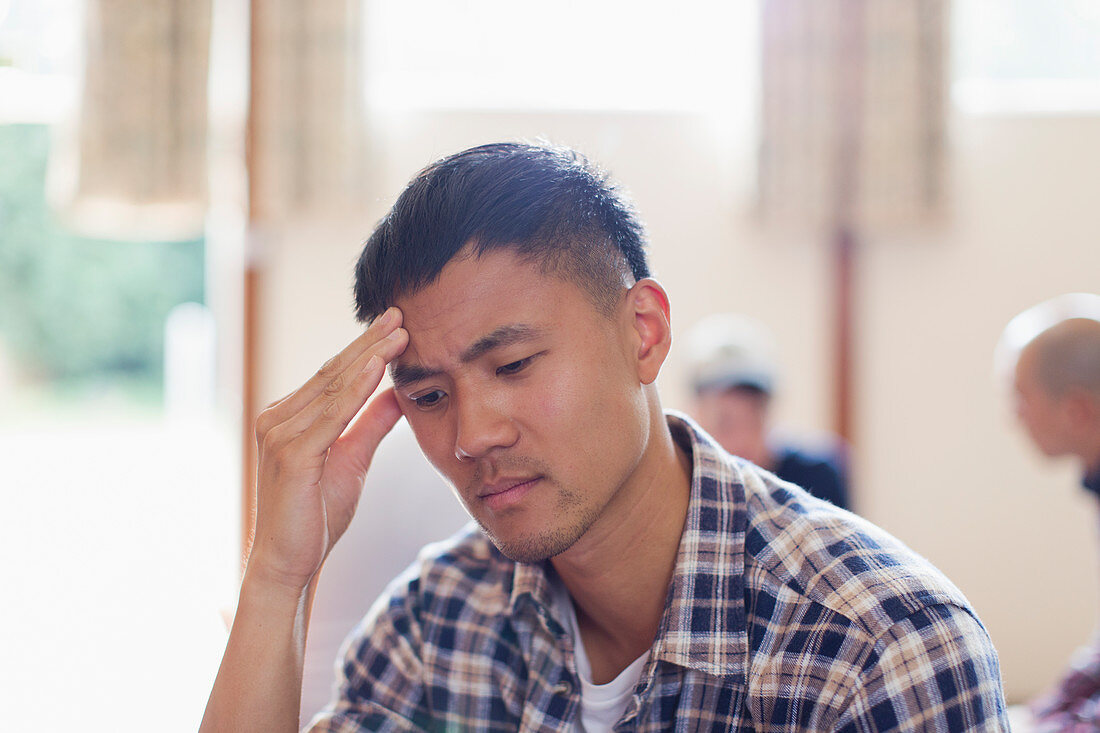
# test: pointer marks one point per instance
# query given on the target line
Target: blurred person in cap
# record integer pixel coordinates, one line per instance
(1051, 352)
(733, 368)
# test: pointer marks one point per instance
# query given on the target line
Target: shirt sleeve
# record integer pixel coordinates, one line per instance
(934, 670)
(379, 684)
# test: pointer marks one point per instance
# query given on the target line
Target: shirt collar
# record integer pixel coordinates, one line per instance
(704, 626)
(531, 581)
(532, 596)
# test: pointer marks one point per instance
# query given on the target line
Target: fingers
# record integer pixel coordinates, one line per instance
(376, 420)
(324, 419)
(378, 330)
(333, 376)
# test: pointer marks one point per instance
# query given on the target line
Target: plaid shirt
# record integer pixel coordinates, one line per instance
(784, 614)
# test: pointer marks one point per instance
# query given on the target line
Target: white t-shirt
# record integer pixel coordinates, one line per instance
(601, 705)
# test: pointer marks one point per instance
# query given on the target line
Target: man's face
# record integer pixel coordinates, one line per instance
(1042, 414)
(524, 397)
(736, 418)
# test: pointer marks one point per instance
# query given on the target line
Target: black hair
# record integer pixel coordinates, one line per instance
(547, 203)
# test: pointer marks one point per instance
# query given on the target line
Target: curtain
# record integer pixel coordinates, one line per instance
(132, 164)
(852, 112)
(307, 137)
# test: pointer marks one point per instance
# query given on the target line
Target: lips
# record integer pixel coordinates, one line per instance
(507, 494)
(504, 485)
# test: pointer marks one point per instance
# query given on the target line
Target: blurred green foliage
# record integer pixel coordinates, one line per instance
(74, 309)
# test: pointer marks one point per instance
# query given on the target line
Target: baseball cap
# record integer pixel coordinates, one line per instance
(727, 350)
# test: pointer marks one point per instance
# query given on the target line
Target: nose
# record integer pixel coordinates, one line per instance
(482, 427)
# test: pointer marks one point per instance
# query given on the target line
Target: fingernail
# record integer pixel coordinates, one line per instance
(396, 334)
(373, 364)
(387, 318)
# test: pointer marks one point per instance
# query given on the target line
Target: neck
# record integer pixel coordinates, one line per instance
(618, 574)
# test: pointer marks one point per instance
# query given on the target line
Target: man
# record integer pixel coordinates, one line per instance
(1053, 350)
(732, 372)
(625, 572)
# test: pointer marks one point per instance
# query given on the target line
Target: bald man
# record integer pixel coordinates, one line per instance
(1054, 351)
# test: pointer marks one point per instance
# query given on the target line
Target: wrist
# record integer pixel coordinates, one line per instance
(270, 565)
(269, 585)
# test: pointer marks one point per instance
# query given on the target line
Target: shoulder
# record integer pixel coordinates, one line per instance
(835, 559)
(882, 628)
(934, 669)
(422, 640)
(461, 576)
(456, 589)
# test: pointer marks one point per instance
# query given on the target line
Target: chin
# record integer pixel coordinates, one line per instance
(532, 549)
(540, 546)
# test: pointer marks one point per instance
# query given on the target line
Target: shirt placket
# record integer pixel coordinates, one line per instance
(553, 690)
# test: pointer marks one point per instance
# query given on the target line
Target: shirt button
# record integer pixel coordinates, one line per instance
(563, 688)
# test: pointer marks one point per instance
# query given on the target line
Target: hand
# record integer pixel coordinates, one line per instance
(312, 464)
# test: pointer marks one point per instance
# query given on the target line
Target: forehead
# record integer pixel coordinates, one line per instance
(477, 295)
(471, 283)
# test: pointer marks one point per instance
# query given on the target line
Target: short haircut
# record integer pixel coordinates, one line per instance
(1064, 333)
(548, 204)
(1068, 356)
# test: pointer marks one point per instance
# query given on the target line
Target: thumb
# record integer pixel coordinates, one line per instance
(373, 423)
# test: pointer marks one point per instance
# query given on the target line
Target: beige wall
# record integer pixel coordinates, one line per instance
(940, 463)
(936, 460)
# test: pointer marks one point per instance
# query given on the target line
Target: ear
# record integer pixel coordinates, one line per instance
(648, 309)
(1083, 410)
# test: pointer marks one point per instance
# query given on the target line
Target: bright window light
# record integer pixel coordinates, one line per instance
(38, 57)
(1024, 56)
(573, 55)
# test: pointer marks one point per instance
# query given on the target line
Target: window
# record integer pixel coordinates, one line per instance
(1025, 56)
(572, 55)
(120, 490)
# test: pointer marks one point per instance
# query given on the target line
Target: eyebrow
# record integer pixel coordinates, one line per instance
(406, 374)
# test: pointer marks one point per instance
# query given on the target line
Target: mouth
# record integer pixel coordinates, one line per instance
(507, 492)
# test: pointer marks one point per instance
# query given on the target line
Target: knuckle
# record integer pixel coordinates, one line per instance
(331, 410)
(334, 387)
(271, 440)
(330, 368)
(264, 424)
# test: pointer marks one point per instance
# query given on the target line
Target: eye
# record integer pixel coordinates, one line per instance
(429, 400)
(514, 367)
